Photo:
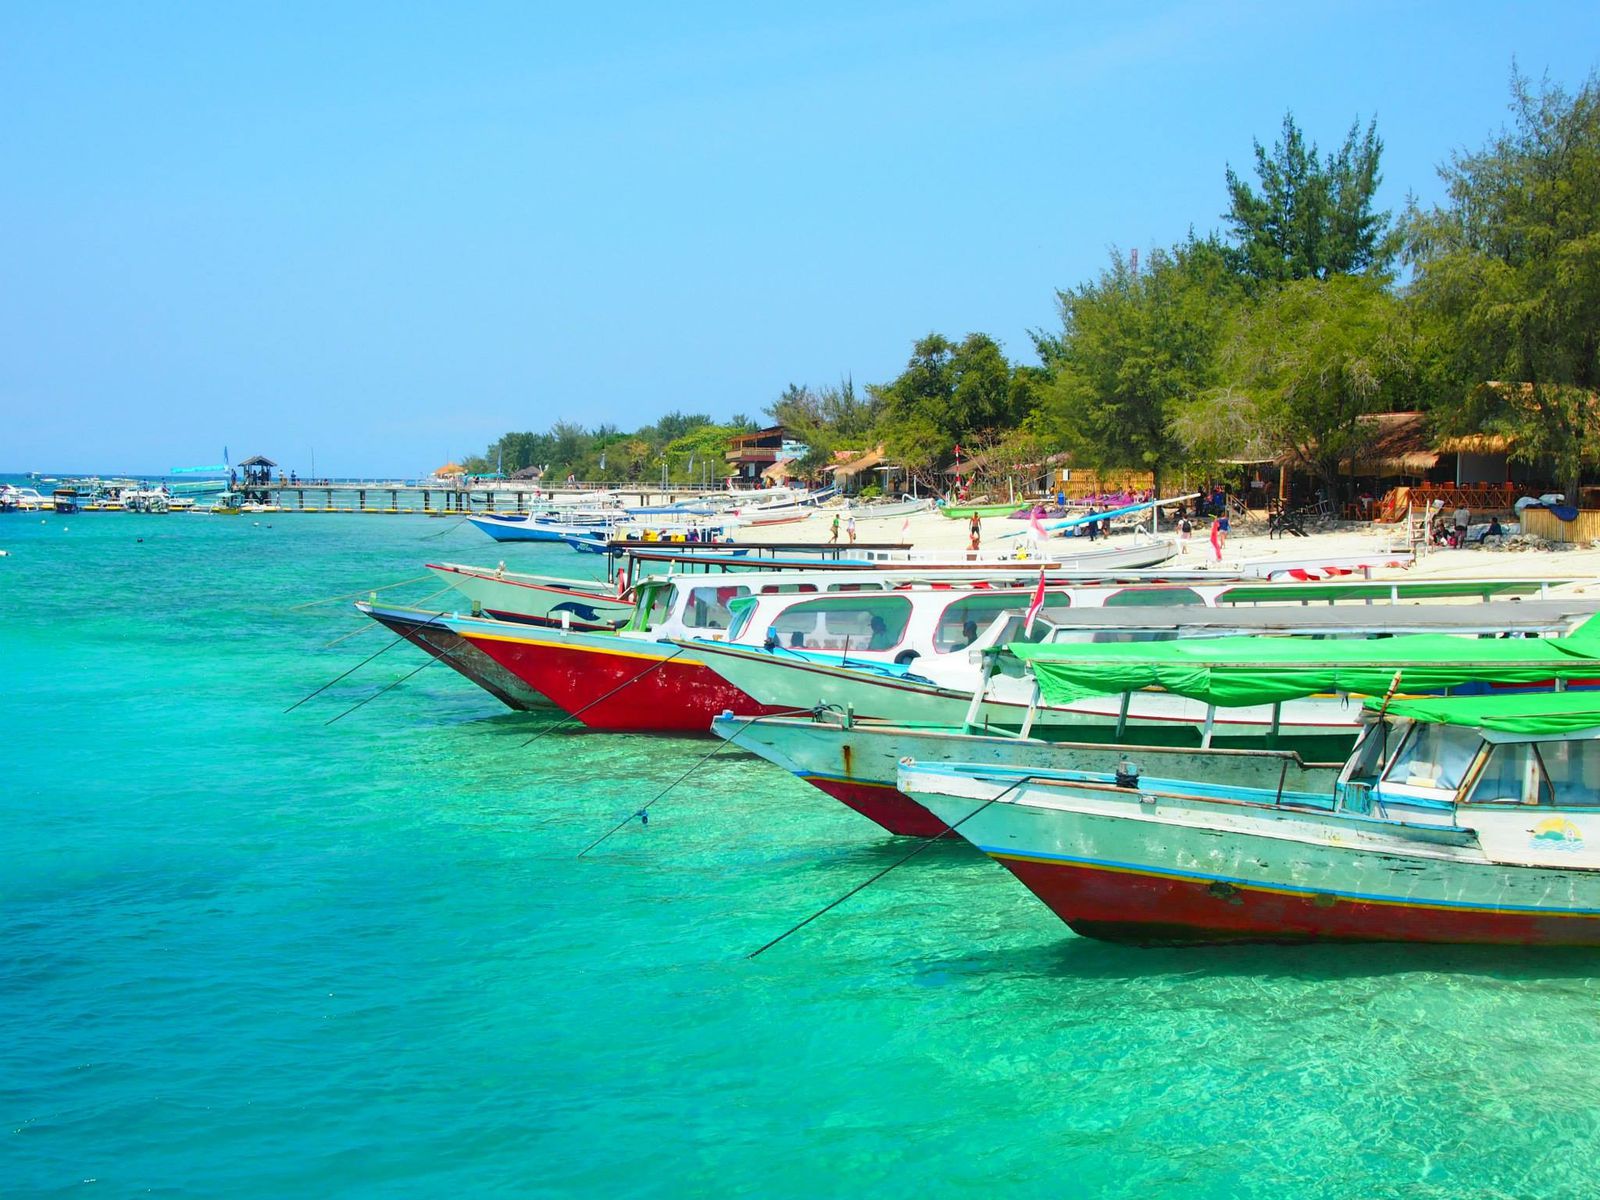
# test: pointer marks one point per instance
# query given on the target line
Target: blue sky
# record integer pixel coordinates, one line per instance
(387, 233)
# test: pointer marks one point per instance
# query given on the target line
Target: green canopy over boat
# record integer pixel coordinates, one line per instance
(1236, 671)
(1542, 713)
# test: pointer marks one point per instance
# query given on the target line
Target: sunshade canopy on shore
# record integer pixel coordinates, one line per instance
(1544, 713)
(1251, 670)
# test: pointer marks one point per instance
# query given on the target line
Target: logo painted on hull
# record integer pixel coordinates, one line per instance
(583, 611)
(1554, 833)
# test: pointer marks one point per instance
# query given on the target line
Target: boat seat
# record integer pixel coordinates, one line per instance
(1423, 774)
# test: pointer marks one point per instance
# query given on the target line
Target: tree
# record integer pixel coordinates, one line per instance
(1313, 217)
(1313, 359)
(1510, 270)
(1135, 346)
(949, 393)
(700, 454)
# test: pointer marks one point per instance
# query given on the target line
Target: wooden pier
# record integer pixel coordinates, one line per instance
(445, 501)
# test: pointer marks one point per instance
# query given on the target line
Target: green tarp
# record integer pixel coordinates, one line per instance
(1264, 670)
(1544, 713)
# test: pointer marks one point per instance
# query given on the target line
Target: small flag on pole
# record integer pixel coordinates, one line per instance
(1034, 606)
(905, 528)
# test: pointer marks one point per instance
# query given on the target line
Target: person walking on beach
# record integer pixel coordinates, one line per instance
(974, 531)
(833, 530)
(1185, 529)
(850, 528)
(1218, 536)
(1463, 518)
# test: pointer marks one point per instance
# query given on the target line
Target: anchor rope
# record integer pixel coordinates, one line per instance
(860, 887)
(720, 747)
(428, 662)
(369, 626)
(362, 592)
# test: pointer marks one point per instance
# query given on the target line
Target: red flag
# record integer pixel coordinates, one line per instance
(1035, 606)
(958, 451)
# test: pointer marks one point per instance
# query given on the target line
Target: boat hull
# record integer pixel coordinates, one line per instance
(1127, 865)
(617, 684)
(427, 632)
(858, 764)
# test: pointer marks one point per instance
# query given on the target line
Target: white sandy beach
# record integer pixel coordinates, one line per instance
(1245, 543)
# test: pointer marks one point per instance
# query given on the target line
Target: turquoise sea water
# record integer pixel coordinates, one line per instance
(256, 954)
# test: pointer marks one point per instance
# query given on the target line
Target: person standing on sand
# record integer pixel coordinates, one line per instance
(833, 530)
(850, 528)
(1218, 536)
(1185, 529)
(974, 531)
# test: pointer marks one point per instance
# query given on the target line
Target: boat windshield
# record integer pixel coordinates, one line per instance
(844, 622)
(707, 607)
(1156, 597)
(1434, 757)
(962, 621)
(1562, 774)
(660, 604)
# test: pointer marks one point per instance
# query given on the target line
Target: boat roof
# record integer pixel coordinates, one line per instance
(1550, 714)
(1254, 670)
(1363, 589)
(1494, 616)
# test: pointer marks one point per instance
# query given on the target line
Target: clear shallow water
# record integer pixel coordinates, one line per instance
(256, 954)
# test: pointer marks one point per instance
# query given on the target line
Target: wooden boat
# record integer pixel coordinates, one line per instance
(1131, 554)
(854, 757)
(963, 512)
(1459, 820)
(523, 527)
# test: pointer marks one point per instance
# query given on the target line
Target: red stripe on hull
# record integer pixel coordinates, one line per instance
(894, 810)
(1152, 910)
(665, 695)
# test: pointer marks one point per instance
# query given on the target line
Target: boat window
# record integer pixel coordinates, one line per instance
(1366, 764)
(784, 589)
(1133, 597)
(844, 622)
(1512, 774)
(855, 587)
(962, 621)
(1434, 756)
(1573, 768)
(707, 607)
(659, 606)
(743, 610)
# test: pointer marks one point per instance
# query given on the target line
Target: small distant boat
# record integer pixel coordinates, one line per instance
(23, 499)
(887, 509)
(520, 527)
